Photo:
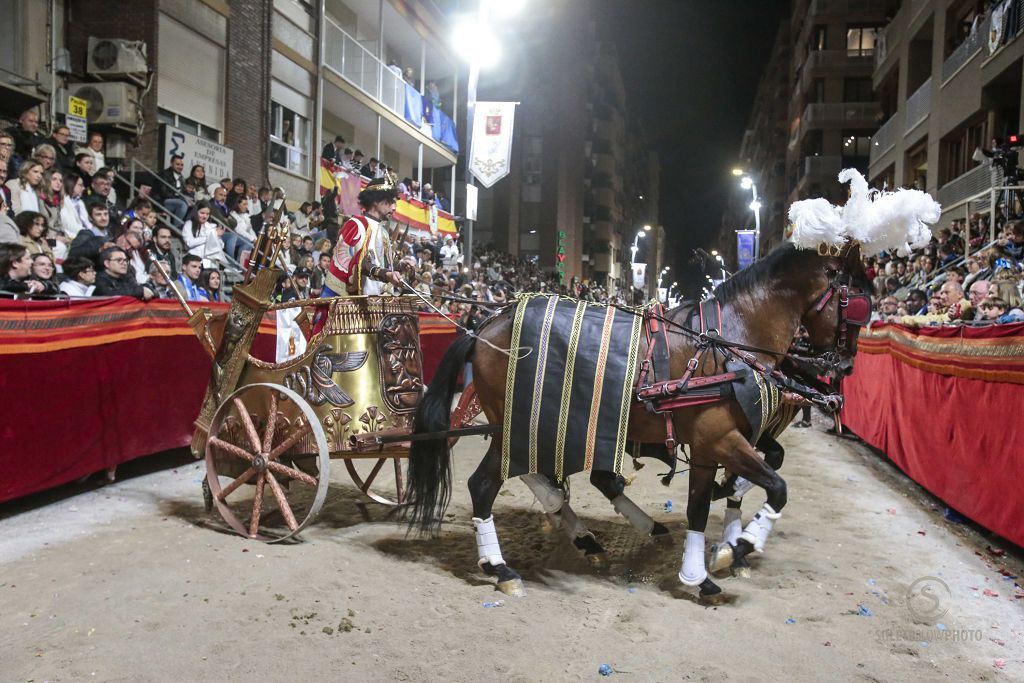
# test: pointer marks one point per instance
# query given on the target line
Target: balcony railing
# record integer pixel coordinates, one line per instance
(967, 49)
(838, 113)
(976, 181)
(846, 6)
(885, 138)
(842, 59)
(919, 105)
(822, 166)
(360, 67)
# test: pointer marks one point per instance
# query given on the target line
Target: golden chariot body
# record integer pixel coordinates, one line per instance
(269, 430)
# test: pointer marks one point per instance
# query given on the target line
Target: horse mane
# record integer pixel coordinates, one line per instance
(779, 262)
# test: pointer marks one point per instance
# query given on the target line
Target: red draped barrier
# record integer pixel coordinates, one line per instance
(944, 404)
(93, 383)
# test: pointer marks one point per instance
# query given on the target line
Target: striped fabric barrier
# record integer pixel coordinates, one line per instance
(943, 403)
(92, 383)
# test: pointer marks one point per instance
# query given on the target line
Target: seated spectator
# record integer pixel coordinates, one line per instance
(198, 178)
(84, 168)
(168, 192)
(887, 308)
(101, 190)
(332, 151)
(243, 226)
(159, 283)
(9, 161)
(45, 155)
(9, 233)
(236, 188)
(116, 280)
(370, 170)
(161, 248)
(32, 227)
(357, 161)
(51, 201)
(917, 302)
(131, 238)
(45, 271)
(300, 280)
(977, 294)
(211, 282)
(65, 151)
(203, 237)
(92, 240)
(26, 187)
(94, 148)
(191, 270)
(319, 274)
(16, 271)
(300, 219)
(346, 159)
(81, 277)
(25, 134)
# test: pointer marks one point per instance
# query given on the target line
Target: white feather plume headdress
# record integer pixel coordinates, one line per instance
(878, 220)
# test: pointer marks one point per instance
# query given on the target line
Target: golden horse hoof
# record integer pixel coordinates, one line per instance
(512, 588)
(721, 557)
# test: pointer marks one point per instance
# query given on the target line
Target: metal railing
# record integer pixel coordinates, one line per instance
(919, 105)
(839, 112)
(885, 138)
(823, 166)
(979, 179)
(346, 57)
(966, 50)
(846, 6)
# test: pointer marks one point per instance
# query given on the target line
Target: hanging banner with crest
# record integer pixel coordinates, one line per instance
(491, 149)
(745, 247)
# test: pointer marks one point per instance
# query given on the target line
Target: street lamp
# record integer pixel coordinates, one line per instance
(747, 183)
(636, 245)
(478, 44)
(647, 228)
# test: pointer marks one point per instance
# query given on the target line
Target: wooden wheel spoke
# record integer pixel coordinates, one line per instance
(231, 448)
(282, 503)
(298, 475)
(296, 436)
(373, 474)
(230, 488)
(268, 433)
(399, 481)
(257, 505)
(250, 428)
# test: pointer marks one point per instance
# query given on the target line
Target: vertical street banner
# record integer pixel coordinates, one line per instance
(745, 247)
(491, 149)
(640, 275)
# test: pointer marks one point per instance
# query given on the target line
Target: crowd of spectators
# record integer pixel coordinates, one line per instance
(936, 285)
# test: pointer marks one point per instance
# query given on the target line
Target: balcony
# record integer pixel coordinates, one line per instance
(345, 56)
(965, 51)
(845, 7)
(885, 138)
(816, 168)
(820, 62)
(845, 114)
(977, 181)
(918, 105)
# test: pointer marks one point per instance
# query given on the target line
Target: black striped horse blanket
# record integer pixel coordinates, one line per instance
(567, 400)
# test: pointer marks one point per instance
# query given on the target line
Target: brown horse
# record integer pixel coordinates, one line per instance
(762, 308)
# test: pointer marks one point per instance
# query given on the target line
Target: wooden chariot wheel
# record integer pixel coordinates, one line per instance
(366, 473)
(295, 496)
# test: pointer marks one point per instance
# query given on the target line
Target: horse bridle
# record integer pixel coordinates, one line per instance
(854, 309)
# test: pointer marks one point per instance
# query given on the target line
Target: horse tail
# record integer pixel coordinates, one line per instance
(430, 474)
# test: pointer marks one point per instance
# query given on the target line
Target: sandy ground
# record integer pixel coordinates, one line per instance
(134, 582)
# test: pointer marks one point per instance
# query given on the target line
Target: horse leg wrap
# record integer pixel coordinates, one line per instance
(760, 526)
(693, 572)
(571, 524)
(733, 526)
(550, 497)
(487, 547)
(640, 520)
(741, 488)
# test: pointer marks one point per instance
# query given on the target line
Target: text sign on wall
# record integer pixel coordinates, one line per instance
(560, 256)
(77, 119)
(217, 159)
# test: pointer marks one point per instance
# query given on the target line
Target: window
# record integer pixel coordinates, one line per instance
(860, 41)
(856, 144)
(857, 90)
(289, 139)
(188, 125)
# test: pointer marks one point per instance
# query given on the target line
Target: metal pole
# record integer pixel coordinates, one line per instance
(757, 223)
(474, 77)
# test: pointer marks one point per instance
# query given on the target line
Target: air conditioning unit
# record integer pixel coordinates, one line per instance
(108, 102)
(112, 57)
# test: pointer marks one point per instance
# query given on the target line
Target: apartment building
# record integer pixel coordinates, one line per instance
(260, 85)
(950, 75)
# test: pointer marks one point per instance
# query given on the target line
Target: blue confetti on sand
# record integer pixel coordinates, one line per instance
(605, 670)
(791, 620)
(864, 611)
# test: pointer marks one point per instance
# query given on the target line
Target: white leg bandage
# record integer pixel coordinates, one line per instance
(640, 520)
(741, 488)
(487, 547)
(733, 526)
(693, 571)
(760, 526)
(571, 524)
(550, 497)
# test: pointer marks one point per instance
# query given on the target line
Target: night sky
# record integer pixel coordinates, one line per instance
(691, 68)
